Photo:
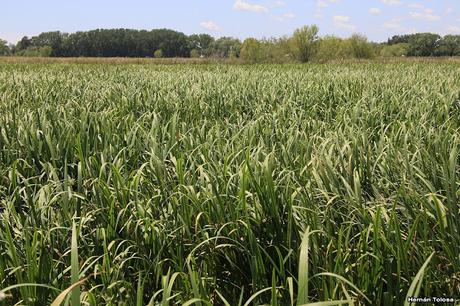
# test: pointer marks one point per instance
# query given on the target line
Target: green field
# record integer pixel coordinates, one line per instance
(229, 185)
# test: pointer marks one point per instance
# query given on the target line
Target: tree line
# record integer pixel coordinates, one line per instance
(123, 43)
(302, 46)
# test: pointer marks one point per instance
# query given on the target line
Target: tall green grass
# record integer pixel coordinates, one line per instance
(229, 185)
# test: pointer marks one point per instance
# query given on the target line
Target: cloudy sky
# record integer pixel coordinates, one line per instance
(378, 19)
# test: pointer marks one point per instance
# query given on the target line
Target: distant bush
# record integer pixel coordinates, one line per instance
(333, 48)
(305, 42)
(396, 50)
(44, 51)
(449, 45)
(360, 47)
(303, 45)
(158, 53)
(251, 51)
(4, 49)
(194, 53)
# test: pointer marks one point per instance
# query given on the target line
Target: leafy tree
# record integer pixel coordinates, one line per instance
(23, 44)
(51, 39)
(333, 48)
(251, 51)
(172, 43)
(398, 39)
(201, 43)
(275, 50)
(449, 45)
(226, 47)
(304, 45)
(377, 48)
(427, 44)
(4, 49)
(158, 53)
(396, 50)
(44, 51)
(423, 44)
(305, 42)
(111, 43)
(194, 53)
(360, 47)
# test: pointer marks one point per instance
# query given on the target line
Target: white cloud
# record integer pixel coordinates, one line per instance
(448, 11)
(343, 22)
(393, 24)
(286, 16)
(453, 30)
(374, 11)
(341, 18)
(423, 12)
(391, 2)
(322, 4)
(241, 5)
(210, 25)
(415, 5)
(318, 15)
(279, 3)
(426, 15)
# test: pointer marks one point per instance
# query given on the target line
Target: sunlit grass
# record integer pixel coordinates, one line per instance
(229, 185)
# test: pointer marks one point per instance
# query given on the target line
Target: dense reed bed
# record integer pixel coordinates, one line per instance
(229, 185)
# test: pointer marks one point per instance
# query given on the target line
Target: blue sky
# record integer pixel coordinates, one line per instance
(378, 19)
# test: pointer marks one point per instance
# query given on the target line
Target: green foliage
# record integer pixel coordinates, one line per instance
(44, 51)
(336, 48)
(305, 42)
(158, 53)
(52, 40)
(201, 43)
(360, 47)
(75, 269)
(428, 44)
(251, 51)
(396, 50)
(229, 184)
(423, 44)
(194, 53)
(23, 44)
(303, 46)
(225, 47)
(4, 49)
(333, 48)
(279, 50)
(399, 39)
(449, 45)
(110, 43)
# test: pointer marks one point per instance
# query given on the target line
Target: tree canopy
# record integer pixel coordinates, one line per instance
(4, 49)
(305, 39)
(303, 45)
